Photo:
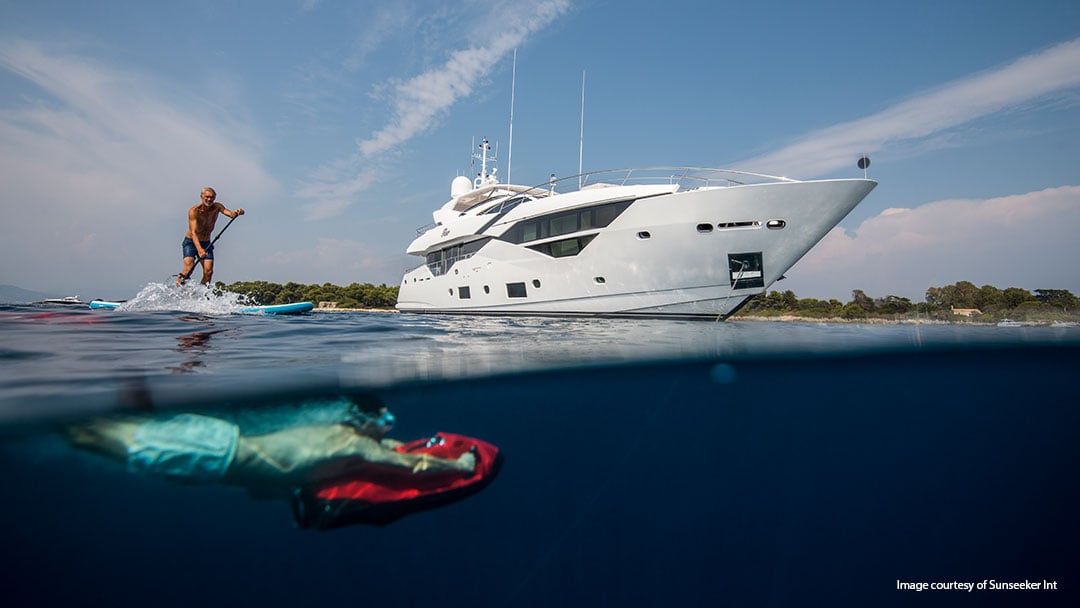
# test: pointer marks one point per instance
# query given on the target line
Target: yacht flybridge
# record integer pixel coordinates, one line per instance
(650, 242)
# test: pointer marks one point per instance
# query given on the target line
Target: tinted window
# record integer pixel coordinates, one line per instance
(442, 260)
(565, 247)
(564, 222)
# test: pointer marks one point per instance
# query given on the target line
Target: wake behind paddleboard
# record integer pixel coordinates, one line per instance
(275, 309)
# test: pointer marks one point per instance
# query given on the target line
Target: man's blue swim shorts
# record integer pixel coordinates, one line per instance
(191, 252)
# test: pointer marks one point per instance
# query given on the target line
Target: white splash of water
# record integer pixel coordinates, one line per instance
(190, 297)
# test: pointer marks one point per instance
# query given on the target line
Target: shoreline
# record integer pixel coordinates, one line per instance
(769, 319)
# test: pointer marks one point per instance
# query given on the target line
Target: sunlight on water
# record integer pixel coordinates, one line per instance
(190, 297)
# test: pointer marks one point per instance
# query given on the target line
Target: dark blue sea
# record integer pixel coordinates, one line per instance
(646, 463)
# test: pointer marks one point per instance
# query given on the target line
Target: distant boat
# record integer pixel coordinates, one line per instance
(67, 300)
(660, 242)
(1009, 323)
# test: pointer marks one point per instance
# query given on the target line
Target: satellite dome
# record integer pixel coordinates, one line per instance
(459, 186)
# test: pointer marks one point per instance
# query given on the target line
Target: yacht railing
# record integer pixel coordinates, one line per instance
(685, 177)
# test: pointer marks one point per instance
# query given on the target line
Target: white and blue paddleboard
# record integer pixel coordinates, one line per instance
(275, 309)
(281, 309)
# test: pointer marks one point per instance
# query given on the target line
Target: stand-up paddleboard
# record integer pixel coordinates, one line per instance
(281, 309)
(274, 309)
(380, 496)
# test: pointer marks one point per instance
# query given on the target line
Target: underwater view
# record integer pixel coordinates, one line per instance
(165, 458)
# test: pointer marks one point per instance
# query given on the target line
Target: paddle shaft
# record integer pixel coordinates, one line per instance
(185, 277)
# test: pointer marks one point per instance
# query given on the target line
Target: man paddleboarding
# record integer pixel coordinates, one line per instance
(197, 245)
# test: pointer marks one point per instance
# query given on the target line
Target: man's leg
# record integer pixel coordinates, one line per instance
(108, 436)
(189, 267)
(208, 271)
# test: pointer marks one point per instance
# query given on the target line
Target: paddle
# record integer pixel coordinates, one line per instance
(185, 277)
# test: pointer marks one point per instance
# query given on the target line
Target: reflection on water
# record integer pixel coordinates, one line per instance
(194, 345)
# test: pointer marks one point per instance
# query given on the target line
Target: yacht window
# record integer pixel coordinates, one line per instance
(505, 206)
(745, 224)
(515, 290)
(440, 262)
(704, 227)
(775, 224)
(464, 293)
(564, 222)
(565, 247)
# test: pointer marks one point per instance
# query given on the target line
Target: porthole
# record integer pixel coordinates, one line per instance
(703, 228)
(600, 280)
(775, 224)
(451, 290)
(536, 283)
(487, 289)
(644, 234)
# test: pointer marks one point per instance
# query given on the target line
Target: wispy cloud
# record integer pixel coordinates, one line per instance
(418, 102)
(905, 251)
(122, 125)
(926, 116)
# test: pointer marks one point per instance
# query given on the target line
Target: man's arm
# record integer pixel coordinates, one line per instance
(193, 231)
(231, 214)
(310, 453)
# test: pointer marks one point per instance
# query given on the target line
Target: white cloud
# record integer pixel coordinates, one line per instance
(418, 101)
(1025, 240)
(123, 125)
(927, 115)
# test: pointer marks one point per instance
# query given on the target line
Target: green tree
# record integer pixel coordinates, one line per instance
(863, 301)
(935, 298)
(989, 298)
(852, 310)
(894, 305)
(962, 295)
(1014, 296)
(1058, 298)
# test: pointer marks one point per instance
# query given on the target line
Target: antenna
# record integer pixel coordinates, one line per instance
(581, 143)
(510, 150)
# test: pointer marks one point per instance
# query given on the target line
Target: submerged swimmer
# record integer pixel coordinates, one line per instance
(197, 448)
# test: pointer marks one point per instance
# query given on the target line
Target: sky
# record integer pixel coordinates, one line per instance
(338, 127)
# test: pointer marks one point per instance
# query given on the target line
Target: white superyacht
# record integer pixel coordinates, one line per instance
(651, 242)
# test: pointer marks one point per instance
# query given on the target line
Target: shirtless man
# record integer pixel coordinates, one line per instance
(201, 220)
